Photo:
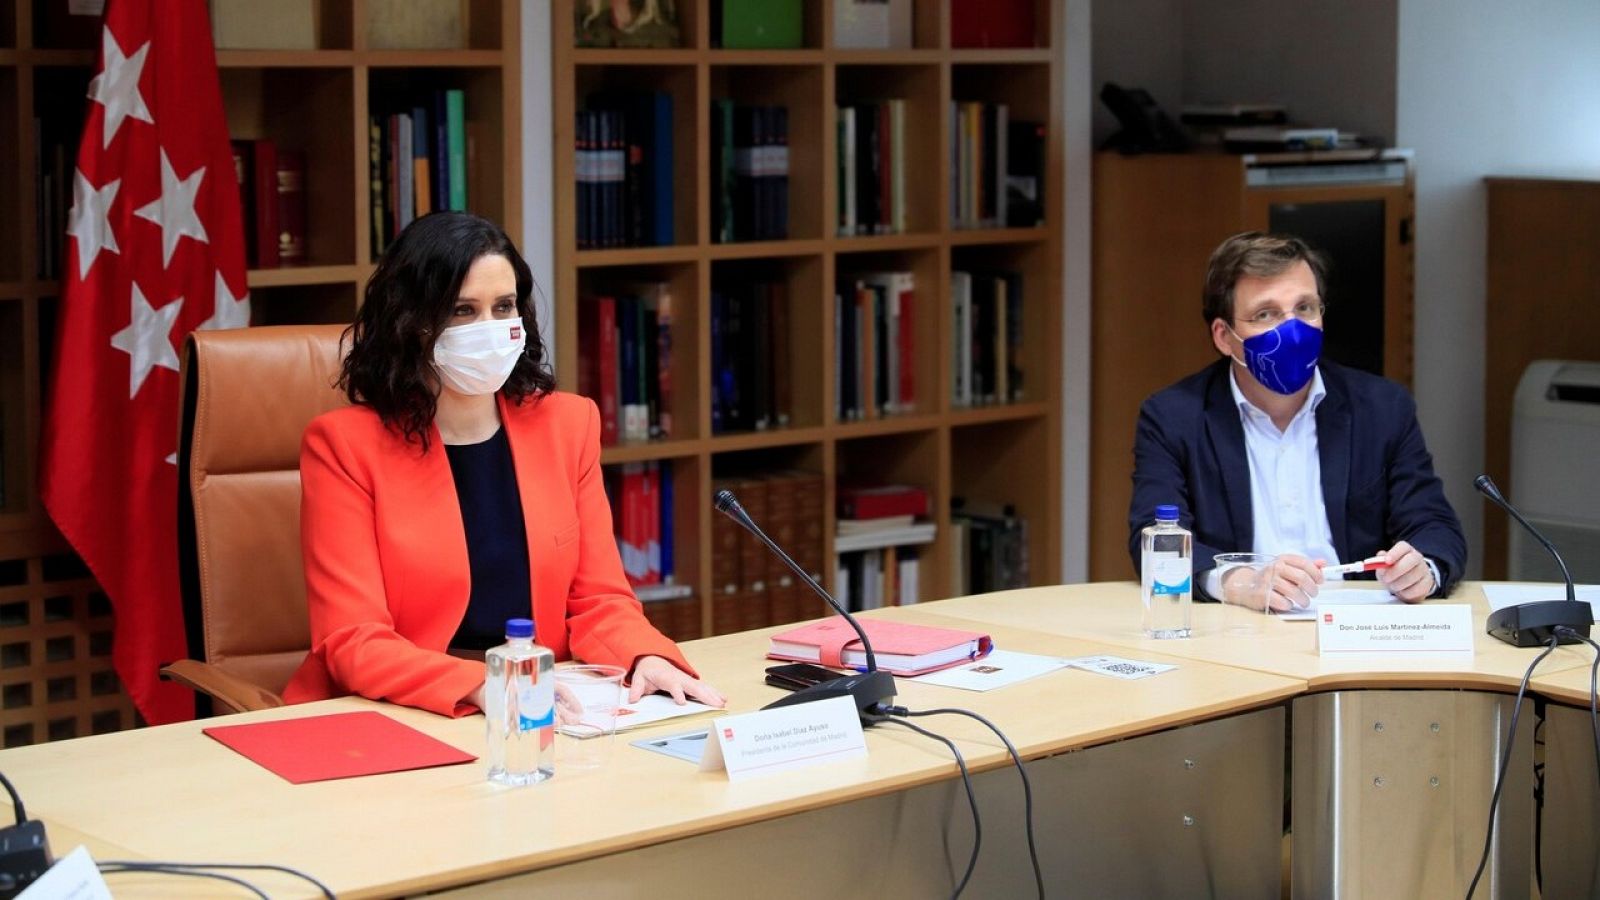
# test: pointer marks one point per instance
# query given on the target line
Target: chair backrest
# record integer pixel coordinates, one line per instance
(248, 395)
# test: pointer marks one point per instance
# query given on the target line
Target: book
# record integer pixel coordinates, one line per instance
(416, 24)
(291, 202)
(455, 105)
(991, 23)
(901, 648)
(633, 23)
(340, 745)
(757, 24)
(881, 523)
(885, 500)
(264, 201)
(919, 533)
(872, 24)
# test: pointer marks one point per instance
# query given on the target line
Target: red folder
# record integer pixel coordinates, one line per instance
(901, 648)
(341, 745)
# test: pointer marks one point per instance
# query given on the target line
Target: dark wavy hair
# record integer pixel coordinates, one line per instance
(408, 302)
(1261, 255)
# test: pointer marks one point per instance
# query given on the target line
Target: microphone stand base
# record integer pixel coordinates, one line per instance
(1534, 624)
(867, 689)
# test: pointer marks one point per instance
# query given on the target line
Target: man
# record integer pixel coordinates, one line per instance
(1273, 450)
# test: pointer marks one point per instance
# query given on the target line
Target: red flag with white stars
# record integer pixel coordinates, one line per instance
(155, 250)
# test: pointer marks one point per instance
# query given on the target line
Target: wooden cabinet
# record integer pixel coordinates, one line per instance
(1157, 218)
(1543, 288)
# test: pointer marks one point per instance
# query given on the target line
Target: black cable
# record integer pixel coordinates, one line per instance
(16, 799)
(1016, 758)
(1505, 762)
(972, 799)
(1594, 694)
(108, 869)
(174, 867)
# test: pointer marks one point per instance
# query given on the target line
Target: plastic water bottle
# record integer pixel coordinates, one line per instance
(1166, 566)
(519, 697)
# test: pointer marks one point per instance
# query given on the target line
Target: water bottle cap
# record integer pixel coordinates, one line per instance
(519, 628)
(1166, 512)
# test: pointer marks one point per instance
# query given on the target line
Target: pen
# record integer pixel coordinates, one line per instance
(1365, 565)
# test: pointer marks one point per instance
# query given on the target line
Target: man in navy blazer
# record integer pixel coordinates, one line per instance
(1273, 450)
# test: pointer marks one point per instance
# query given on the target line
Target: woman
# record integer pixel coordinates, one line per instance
(458, 491)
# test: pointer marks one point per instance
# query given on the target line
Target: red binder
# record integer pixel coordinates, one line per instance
(901, 648)
(340, 745)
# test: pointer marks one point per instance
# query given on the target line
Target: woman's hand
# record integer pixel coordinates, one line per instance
(654, 673)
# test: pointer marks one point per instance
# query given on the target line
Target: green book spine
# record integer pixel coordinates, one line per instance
(762, 24)
(455, 102)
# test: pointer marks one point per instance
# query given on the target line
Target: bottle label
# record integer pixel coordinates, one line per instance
(1170, 576)
(536, 705)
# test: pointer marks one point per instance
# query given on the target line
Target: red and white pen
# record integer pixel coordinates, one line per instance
(1366, 565)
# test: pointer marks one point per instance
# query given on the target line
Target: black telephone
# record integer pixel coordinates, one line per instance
(1145, 128)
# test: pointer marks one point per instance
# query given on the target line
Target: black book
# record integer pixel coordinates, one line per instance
(582, 166)
(867, 215)
(1025, 175)
(780, 190)
(757, 356)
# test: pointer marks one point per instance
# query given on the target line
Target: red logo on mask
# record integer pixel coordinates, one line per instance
(516, 332)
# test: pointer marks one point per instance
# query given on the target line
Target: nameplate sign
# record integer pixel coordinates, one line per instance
(789, 737)
(1390, 628)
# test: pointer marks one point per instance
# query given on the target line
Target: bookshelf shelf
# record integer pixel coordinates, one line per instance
(425, 59)
(940, 447)
(292, 59)
(306, 275)
(973, 237)
(59, 58)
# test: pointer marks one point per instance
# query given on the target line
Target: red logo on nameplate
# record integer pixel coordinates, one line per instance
(1327, 617)
(727, 734)
(516, 332)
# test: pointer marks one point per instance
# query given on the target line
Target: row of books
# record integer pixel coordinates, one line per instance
(986, 337)
(750, 165)
(874, 518)
(750, 357)
(872, 168)
(873, 579)
(753, 588)
(416, 162)
(54, 156)
(989, 544)
(997, 168)
(875, 346)
(642, 505)
(272, 202)
(625, 361)
(624, 171)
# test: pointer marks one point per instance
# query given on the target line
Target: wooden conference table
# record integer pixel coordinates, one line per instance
(1170, 785)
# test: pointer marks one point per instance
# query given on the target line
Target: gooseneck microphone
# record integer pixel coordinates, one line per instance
(1534, 624)
(869, 689)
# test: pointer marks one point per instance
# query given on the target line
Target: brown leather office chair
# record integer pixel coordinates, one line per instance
(248, 395)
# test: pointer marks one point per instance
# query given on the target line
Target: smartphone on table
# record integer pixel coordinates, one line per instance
(795, 676)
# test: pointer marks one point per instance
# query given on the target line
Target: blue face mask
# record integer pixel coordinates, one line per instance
(1285, 358)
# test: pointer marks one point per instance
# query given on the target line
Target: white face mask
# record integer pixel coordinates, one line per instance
(477, 358)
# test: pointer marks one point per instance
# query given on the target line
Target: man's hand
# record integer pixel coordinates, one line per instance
(1294, 581)
(656, 674)
(1407, 575)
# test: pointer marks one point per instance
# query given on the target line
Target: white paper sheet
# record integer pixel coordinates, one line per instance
(999, 669)
(1338, 597)
(1503, 595)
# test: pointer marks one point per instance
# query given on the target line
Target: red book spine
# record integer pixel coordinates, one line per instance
(606, 326)
(880, 503)
(291, 200)
(265, 168)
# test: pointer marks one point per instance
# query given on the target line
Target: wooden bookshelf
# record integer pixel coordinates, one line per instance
(1007, 453)
(55, 669)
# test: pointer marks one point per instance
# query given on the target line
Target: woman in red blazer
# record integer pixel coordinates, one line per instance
(459, 490)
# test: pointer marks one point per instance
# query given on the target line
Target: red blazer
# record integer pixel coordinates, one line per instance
(386, 556)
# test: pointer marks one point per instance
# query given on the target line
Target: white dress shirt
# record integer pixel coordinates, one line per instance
(1286, 503)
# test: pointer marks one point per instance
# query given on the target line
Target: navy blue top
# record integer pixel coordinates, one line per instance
(497, 540)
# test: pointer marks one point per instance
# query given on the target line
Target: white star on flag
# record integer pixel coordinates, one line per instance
(148, 339)
(88, 222)
(117, 88)
(230, 311)
(174, 212)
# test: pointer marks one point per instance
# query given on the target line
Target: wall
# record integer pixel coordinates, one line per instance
(1332, 64)
(1484, 87)
(1136, 43)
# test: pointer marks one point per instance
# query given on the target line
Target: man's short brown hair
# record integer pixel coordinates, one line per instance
(1258, 254)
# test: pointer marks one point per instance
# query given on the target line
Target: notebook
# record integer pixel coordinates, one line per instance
(901, 648)
(339, 745)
